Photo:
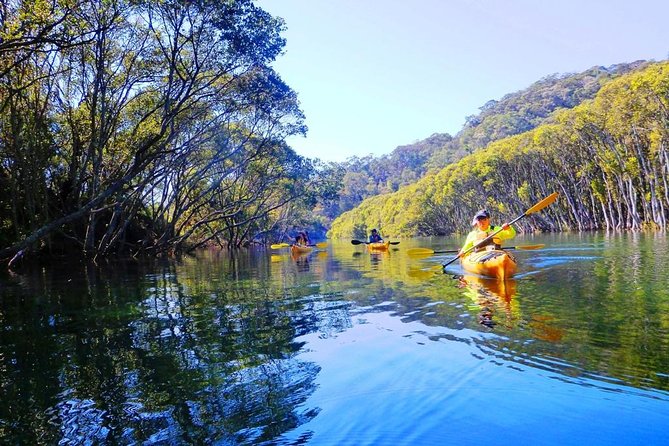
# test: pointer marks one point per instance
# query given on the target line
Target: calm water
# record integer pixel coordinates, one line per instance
(343, 347)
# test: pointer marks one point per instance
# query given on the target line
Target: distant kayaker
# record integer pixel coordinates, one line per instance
(375, 237)
(484, 229)
(302, 239)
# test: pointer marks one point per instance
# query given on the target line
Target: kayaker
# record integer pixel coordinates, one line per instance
(305, 236)
(302, 239)
(375, 237)
(484, 229)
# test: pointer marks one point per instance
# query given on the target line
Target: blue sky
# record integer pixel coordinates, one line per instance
(372, 75)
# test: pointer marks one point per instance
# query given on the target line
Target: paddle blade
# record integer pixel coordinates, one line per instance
(356, 242)
(529, 247)
(419, 252)
(394, 243)
(425, 252)
(542, 204)
(279, 246)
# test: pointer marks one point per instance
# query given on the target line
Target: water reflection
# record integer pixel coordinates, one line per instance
(376, 257)
(493, 298)
(301, 260)
(188, 360)
(244, 348)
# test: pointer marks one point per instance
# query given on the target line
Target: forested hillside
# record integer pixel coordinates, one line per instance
(524, 110)
(608, 158)
(513, 114)
(362, 177)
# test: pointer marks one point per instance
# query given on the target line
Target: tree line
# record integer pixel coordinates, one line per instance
(515, 113)
(607, 157)
(130, 126)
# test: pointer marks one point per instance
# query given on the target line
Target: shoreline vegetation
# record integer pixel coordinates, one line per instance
(157, 128)
(145, 128)
(607, 157)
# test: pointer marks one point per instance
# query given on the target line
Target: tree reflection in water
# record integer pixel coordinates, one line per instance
(192, 361)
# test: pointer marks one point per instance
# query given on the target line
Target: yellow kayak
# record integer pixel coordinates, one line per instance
(378, 246)
(496, 263)
(300, 249)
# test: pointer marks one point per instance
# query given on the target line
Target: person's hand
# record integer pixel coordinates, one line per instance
(505, 226)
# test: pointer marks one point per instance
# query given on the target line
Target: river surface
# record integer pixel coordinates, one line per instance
(342, 347)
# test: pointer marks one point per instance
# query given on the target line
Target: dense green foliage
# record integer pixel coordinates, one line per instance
(513, 114)
(363, 177)
(608, 158)
(526, 109)
(154, 126)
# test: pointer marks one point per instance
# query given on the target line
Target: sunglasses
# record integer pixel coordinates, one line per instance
(481, 218)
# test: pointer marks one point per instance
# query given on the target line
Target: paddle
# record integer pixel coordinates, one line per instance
(279, 246)
(426, 251)
(360, 242)
(321, 245)
(536, 208)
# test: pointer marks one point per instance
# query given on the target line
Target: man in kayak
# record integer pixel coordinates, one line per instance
(375, 237)
(302, 239)
(484, 229)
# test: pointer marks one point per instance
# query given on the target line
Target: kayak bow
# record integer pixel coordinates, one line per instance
(494, 263)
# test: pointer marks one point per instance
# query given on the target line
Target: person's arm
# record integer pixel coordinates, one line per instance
(469, 242)
(507, 232)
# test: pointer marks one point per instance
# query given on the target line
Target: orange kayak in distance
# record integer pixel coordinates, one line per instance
(378, 246)
(300, 249)
(496, 263)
